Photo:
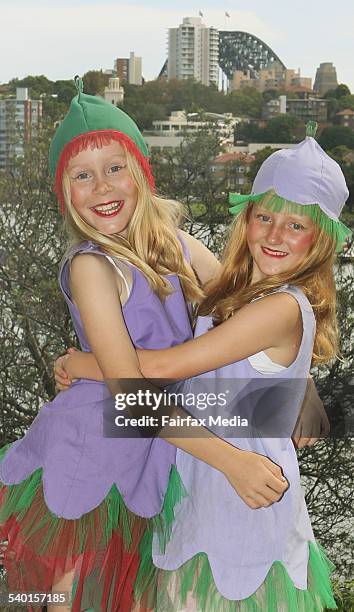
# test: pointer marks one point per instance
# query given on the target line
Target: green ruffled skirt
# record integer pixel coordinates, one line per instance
(191, 587)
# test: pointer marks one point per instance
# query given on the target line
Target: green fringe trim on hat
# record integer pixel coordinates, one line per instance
(194, 579)
(270, 200)
(19, 498)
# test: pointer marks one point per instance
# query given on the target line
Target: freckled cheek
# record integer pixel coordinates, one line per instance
(254, 232)
(127, 184)
(301, 244)
(77, 196)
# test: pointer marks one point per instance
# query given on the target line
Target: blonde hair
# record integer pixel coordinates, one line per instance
(314, 275)
(151, 245)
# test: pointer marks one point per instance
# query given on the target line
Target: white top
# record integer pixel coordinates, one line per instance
(263, 364)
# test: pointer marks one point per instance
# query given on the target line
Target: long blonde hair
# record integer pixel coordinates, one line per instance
(314, 275)
(151, 245)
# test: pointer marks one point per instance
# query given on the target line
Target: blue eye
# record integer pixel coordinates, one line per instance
(297, 226)
(264, 218)
(115, 168)
(82, 176)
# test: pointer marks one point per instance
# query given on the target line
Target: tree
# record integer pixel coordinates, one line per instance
(244, 102)
(35, 322)
(339, 92)
(95, 82)
(260, 157)
(37, 85)
(346, 102)
(345, 158)
(333, 136)
(65, 90)
(281, 129)
(338, 99)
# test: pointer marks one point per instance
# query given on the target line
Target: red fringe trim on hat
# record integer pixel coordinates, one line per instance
(98, 138)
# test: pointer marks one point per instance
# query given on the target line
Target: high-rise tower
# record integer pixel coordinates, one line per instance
(20, 113)
(326, 78)
(193, 52)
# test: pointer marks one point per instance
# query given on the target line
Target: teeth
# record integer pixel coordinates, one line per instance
(107, 209)
(275, 253)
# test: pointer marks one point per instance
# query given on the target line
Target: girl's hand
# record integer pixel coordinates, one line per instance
(62, 380)
(257, 480)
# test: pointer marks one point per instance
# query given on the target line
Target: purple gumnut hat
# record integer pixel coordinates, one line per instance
(304, 174)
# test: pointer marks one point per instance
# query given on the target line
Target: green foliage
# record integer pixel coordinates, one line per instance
(35, 321)
(245, 102)
(333, 136)
(270, 94)
(95, 82)
(346, 102)
(189, 96)
(282, 129)
(339, 92)
(345, 158)
(65, 90)
(259, 157)
(55, 95)
(339, 99)
(37, 85)
(184, 173)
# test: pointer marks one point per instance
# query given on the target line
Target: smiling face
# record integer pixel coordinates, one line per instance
(278, 242)
(102, 189)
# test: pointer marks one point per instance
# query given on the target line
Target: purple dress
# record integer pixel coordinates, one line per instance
(65, 439)
(223, 555)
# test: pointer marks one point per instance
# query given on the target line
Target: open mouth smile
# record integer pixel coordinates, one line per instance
(273, 253)
(110, 209)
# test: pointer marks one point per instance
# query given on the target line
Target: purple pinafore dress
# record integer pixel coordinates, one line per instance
(67, 471)
(223, 555)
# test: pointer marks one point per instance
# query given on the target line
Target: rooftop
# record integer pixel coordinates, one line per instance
(346, 111)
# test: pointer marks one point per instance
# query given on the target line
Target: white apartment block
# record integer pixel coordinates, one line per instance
(193, 52)
(135, 70)
(17, 113)
(169, 133)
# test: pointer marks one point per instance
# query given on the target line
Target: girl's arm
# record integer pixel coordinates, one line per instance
(94, 291)
(258, 326)
(268, 323)
(84, 365)
(204, 263)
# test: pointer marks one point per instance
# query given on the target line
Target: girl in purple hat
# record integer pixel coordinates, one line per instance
(267, 318)
(75, 506)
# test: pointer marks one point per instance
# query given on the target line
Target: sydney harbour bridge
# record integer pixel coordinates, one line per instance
(241, 51)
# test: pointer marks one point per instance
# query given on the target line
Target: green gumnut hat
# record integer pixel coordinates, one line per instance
(90, 115)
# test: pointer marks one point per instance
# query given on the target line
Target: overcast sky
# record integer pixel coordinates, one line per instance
(61, 38)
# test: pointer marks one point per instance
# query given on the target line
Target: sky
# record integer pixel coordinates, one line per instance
(61, 38)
